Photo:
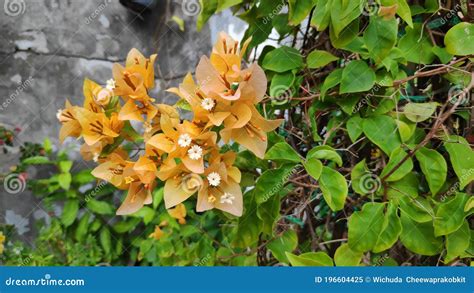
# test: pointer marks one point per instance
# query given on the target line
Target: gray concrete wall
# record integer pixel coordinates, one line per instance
(47, 48)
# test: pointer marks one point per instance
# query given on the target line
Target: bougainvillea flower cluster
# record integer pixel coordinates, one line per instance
(187, 155)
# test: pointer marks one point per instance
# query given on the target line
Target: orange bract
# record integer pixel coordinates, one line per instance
(185, 155)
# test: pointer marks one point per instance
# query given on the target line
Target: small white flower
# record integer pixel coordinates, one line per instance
(214, 179)
(110, 84)
(208, 104)
(227, 198)
(195, 152)
(184, 140)
(59, 113)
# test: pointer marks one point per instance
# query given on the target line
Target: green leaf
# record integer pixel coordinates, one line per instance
(382, 131)
(333, 79)
(314, 167)
(207, 7)
(334, 188)
(442, 54)
(313, 259)
(64, 180)
(403, 9)
(282, 151)
(457, 242)
(459, 40)
(416, 46)
(357, 176)
(282, 59)
(100, 207)
(249, 225)
(357, 76)
(450, 215)
(405, 187)
(325, 152)
(36, 160)
(319, 58)
(281, 83)
(418, 112)
(312, 118)
(299, 10)
(287, 242)
(419, 237)
(395, 158)
(65, 166)
(462, 159)
(434, 166)
(348, 37)
(71, 207)
(391, 229)
(106, 240)
(418, 209)
(406, 128)
(271, 182)
(269, 213)
(82, 227)
(345, 256)
(224, 4)
(179, 21)
(354, 127)
(380, 37)
(365, 227)
(321, 14)
(343, 13)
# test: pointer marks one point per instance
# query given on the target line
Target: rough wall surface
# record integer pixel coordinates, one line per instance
(48, 47)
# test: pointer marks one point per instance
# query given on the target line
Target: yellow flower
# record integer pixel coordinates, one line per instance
(247, 127)
(220, 188)
(137, 63)
(179, 213)
(114, 170)
(226, 55)
(134, 110)
(139, 194)
(97, 126)
(70, 125)
(157, 234)
(95, 97)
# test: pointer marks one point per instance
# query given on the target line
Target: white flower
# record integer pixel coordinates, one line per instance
(214, 179)
(59, 113)
(184, 140)
(110, 84)
(195, 152)
(227, 198)
(208, 104)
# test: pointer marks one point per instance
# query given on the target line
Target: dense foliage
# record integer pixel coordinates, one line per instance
(372, 165)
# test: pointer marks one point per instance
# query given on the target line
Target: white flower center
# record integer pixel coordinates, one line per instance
(184, 140)
(227, 198)
(195, 152)
(110, 85)
(214, 179)
(208, 104)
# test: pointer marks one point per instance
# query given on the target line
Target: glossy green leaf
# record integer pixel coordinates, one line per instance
(354, 127)
(281, 84)
(314, 167)
(334, 188)
(357, 76)
(457, 242)
(450, 215)
(314, 259)
(207, 7)
(405, 187)
(319, 58)
(325, 152)
(282, 151)
(71, 207)
(100, 207)
(401, 170)
(419, 237)
(333, 79)
(391, 229)
(105, 239)
(418, 209)
(282, 59)
(382, 131)
(416, 46)
(299, 10)
(365, 227)
(287, 242)
(462, 160)
(345, 256)
(343, 13)
(418, 112)
(271, 182)
(459, 40)
(380, 37)
(434, 166)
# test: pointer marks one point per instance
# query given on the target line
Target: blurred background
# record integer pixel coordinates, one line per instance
(48, 47)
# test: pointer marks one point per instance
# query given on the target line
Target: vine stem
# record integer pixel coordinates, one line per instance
(439, 121)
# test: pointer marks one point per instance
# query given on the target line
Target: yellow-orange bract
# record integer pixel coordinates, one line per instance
(186, 155)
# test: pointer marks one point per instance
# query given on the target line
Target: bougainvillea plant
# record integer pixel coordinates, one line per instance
(349, 142)
(186, 154)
